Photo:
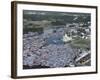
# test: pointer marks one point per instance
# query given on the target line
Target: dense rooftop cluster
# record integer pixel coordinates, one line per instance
(46, 50)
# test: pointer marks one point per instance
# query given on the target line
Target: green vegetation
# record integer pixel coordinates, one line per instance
(56, 18)
(81, 43)
(26, 30)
